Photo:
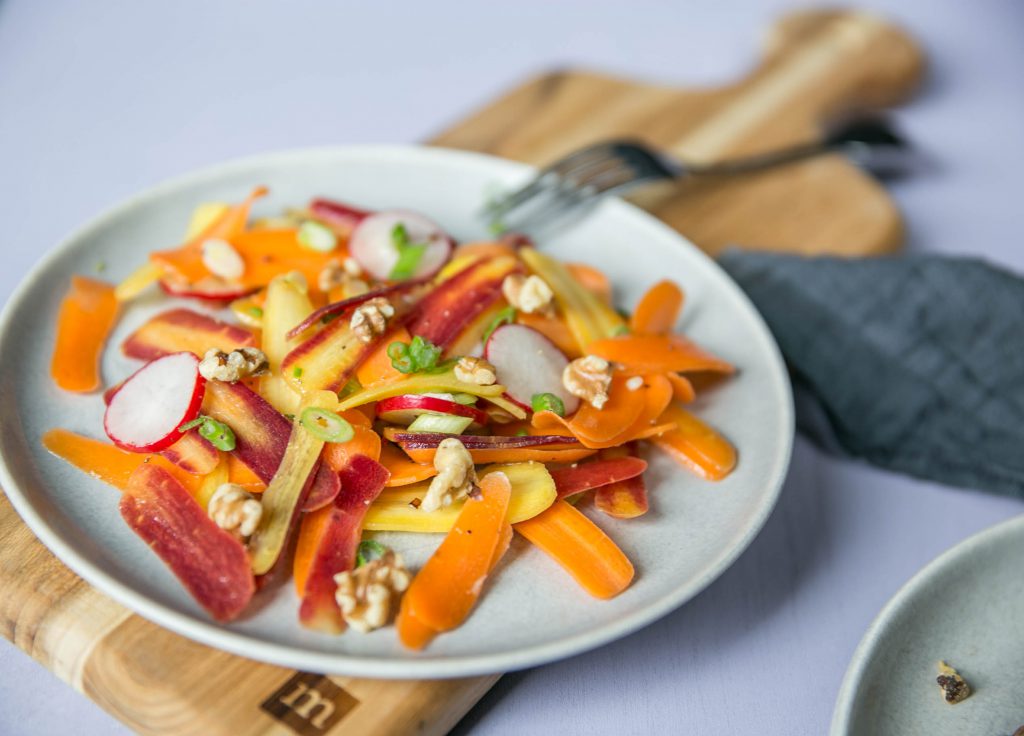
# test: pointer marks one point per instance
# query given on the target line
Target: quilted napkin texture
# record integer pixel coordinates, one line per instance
(913, 363)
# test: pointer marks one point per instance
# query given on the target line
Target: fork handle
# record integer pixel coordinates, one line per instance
(818, 63)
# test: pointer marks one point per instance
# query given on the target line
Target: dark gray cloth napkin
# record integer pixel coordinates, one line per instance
(913, 363)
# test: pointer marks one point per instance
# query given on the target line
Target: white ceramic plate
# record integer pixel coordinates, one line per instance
(967, 608)
(532, 613)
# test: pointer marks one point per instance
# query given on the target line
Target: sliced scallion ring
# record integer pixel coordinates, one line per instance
(317, 237)
(326, 425)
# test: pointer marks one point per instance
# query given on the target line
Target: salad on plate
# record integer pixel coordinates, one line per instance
(332, 372)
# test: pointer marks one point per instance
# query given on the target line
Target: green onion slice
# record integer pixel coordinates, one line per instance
(548, 402)
(317, 237)
(440, 423)
(326, 425)
(217, 434)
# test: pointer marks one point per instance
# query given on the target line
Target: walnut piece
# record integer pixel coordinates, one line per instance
(529, 294)
(475, 370)
(455, 478)
(339, 275)
(367, 595)
(234, 510)
(954, 687)
(588, 377)
(370, 319)
(217, 365)
(221, 259)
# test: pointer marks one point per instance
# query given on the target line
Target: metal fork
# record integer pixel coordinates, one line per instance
(616, 166)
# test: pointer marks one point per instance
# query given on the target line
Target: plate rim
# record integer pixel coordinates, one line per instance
(214, 635)
(842, 713)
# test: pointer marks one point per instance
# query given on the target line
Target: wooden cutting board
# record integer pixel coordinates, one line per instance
(816, 64)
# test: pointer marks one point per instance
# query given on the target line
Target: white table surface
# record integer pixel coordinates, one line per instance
(100, 99)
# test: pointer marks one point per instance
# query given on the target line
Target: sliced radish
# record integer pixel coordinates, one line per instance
(527, 364)
(145, 412)
(406, 408)
(373, 246)
(210, 289)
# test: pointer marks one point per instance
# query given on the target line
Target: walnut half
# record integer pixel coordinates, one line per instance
(370, 319)
(589, 378)
(475, 370)
(954, 687)
(528, 294)
(455, 478)
(217, 365)
(366, 595)
(234, 510)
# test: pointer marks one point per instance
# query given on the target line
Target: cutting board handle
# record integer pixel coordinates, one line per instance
(817, 65)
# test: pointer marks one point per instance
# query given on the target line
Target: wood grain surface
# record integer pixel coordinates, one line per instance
(816, 65)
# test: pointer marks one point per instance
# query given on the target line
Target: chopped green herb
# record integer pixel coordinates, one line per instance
(297, 372)
(418, 356)
(101, 266)
(497, 227)
(466, 399)
(326, 425)
(620, 330)
(290, 417)
(521, 433)
(424, 353)
(547, 402)
(367, 548)
(409, 254)
(255, 311)
(217, 434)
(317, 237)
(505, 317)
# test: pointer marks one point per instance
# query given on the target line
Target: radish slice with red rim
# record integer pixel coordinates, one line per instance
(406, 408)
(527, 363)
(373, 244)
(145, 412)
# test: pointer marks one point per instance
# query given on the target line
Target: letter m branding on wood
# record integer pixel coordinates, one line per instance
(309, 704)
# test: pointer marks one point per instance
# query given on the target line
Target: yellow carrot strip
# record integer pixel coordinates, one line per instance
(87, 315)
(695, 445)
(284, 492)
(287, 304)
(211, 482)
(588, 317)
(447, 587)
(419, 383)
(203, 216)
(138, 281)
(533, 491)
(581, 548)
